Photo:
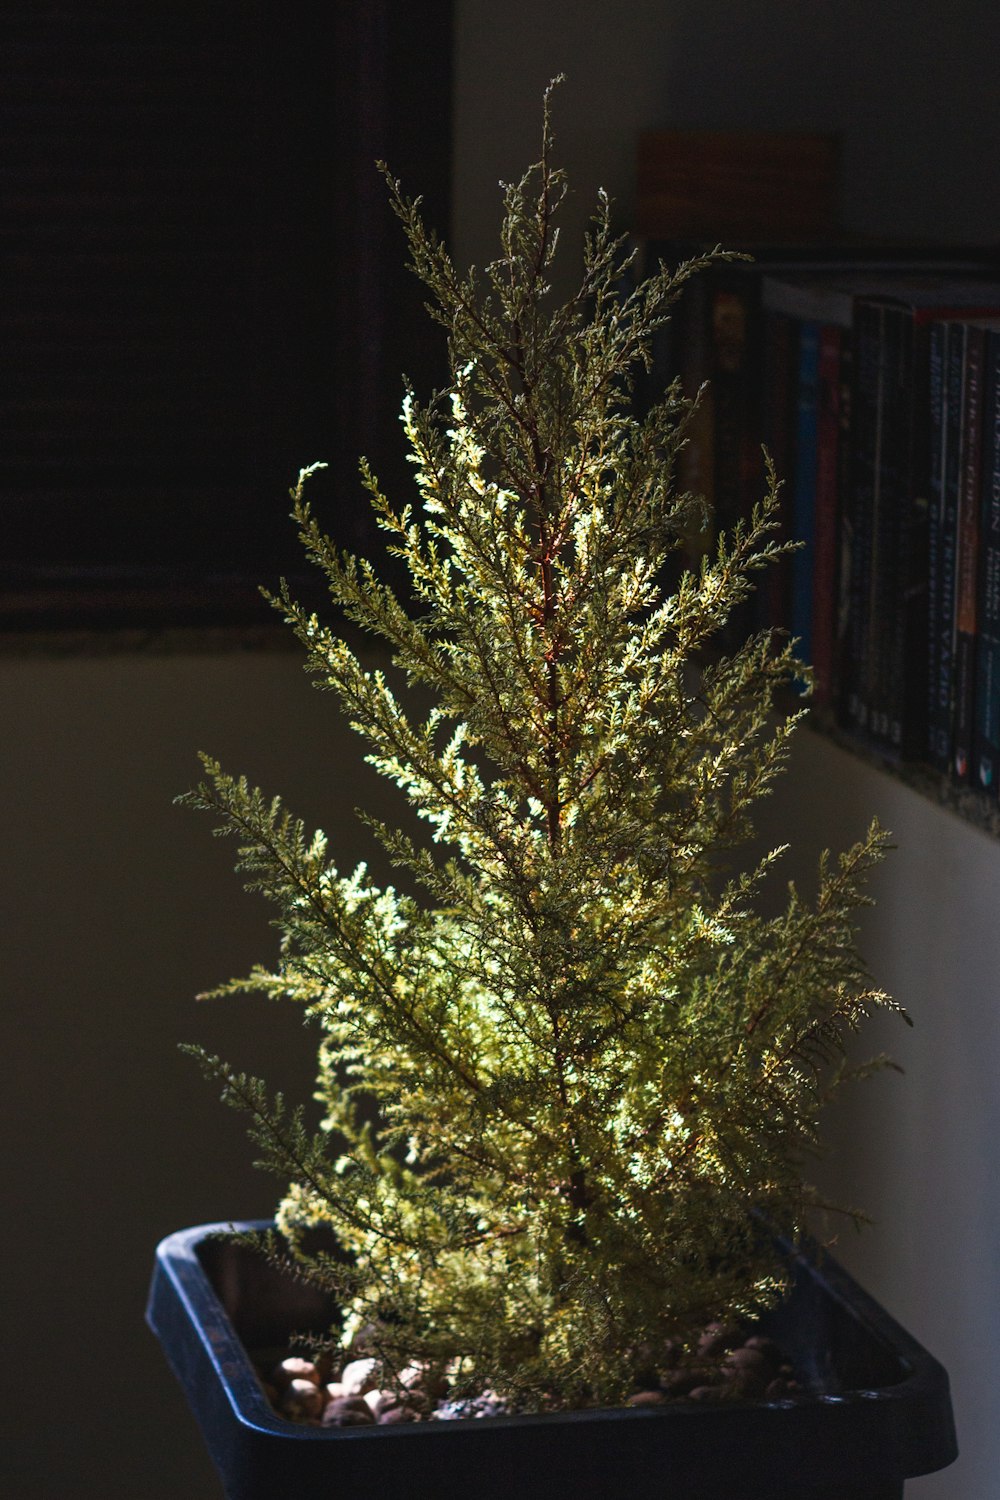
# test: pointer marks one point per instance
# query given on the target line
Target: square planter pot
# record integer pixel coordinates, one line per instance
(879, 1411)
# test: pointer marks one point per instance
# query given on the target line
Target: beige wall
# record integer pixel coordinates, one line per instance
(118, 908)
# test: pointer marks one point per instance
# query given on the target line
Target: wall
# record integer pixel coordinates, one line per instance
(909, 87)
(917, 1151)
(119, 907)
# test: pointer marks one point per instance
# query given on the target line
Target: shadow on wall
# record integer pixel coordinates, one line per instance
(118, 908)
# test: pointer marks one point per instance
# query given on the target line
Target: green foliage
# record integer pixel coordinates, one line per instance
(559, 1084)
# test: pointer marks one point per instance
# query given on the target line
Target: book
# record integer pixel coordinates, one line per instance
(943, 622)
(938, 740)
(879, 606)
(804, 488)
(830, 433)
(902, 610)
(967, 529)
(779, 401)
(986, 737)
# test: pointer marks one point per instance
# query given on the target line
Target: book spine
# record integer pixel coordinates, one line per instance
(885, 619)
(695, 465)
(845, 513)
(967, 554)
(909, 665)
(901, 587)
(986, 740)
(735, 346)
(780, 357)
(938, 747)
(865, 402)
(804, 499)
(951, 483)
(824, 601)
(729, 384)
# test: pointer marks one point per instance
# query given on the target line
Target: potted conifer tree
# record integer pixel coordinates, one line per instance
(570, 1073)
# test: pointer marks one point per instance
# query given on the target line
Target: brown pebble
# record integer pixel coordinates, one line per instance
(767, 1347)
(647, 1398)
(401, 1412)
(348, 1411)
(680, 1382)
(717, 1338)
(302, 1401)
(705, 1393)
(749, 1384)
(739, 1362)
(427, 1378)
(416, 1401)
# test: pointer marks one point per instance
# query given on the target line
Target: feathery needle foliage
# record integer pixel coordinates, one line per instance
(570, 1089)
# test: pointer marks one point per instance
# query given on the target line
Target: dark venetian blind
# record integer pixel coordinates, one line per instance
(203, 290)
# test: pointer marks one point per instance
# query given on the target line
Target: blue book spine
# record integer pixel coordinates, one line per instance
(866, 475)
(986, 742)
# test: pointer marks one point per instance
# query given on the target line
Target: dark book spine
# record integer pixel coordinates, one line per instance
(909, 665)
(729, 384)
(938, 747)
(780, 356)
(845, 514)
(736, 430)
(694, 369)
(901, 601)
(986, 741)
(885, 590)
(967, 554)
(951, 484)
(804, 500)
(865, 403)
(824, 601)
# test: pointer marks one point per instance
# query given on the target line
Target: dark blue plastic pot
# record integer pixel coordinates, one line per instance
(881, 1412)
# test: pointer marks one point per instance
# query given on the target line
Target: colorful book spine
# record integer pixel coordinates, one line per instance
(967, 553)
(901, 586)
(986, 740)
(951, 485)
(890, 498)
(938, 746)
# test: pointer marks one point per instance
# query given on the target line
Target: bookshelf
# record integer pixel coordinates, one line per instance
(870, 370)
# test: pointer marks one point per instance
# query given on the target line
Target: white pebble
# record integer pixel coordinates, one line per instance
(294, 1369)
(358, 1377)
(302, 1399)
